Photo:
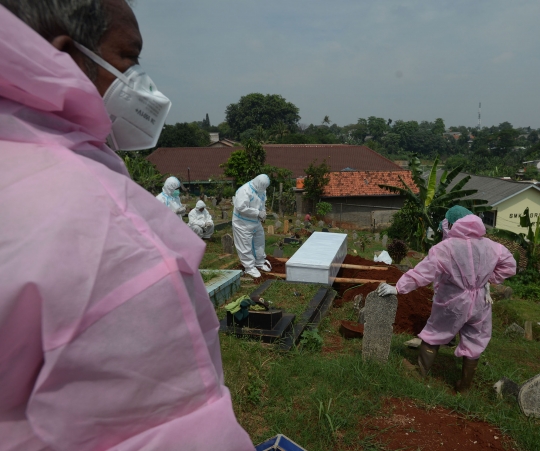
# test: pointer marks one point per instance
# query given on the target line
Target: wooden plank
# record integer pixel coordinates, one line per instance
(347, 266)
(347, 280)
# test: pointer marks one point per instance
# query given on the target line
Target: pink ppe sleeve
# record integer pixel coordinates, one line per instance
(423, 274)
(506, 266)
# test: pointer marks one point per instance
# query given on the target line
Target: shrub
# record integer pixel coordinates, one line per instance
(323, 208)
(397, 250)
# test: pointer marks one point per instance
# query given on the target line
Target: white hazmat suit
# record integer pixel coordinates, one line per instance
(248, 232)
(170, 196)
(201, 221)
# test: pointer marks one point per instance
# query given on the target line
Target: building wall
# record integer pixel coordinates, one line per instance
(362, 212)
(508, 212)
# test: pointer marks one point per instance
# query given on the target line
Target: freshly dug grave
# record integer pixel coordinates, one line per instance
(413, 308)
(407, 427)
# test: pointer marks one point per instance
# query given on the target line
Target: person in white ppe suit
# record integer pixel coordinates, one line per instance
(200, 221)
(170, 196)
(248, 232)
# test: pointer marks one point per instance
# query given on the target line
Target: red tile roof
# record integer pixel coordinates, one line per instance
(366, 183)
(204, 161)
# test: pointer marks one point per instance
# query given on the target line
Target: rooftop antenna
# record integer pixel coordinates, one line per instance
(479, 115)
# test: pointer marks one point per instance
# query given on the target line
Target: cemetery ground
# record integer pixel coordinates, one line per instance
(328, 398)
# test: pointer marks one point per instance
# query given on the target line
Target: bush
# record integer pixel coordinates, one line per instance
(323, 208)
(526, 285)
(397, 250)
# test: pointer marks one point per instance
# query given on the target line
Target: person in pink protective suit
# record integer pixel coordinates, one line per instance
(108, 339)
(459, 268)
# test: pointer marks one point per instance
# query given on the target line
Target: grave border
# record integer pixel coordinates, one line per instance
(308, 320)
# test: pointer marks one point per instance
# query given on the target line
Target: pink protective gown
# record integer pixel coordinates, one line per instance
(459, 267)
(108, 340)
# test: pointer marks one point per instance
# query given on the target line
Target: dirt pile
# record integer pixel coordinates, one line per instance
(413, 308)
(407, 427)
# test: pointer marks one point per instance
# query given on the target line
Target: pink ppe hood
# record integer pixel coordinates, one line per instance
(459, 267)
(108, 339)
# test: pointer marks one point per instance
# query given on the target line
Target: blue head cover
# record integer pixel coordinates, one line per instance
(457, 212)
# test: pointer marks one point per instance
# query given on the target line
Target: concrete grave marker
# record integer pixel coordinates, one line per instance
(515, 330)
(377, 237)
(385, 240)
(354, 236)
(270, 230)
(286, 226)
(529, 397)
(227, 243)
(278, 253)
(379, 317)
(320, 224)
(528, 330)
(224, 214)
(298, 223)
(205, 198)
(214, 201)
(276, 216)
(277, 224)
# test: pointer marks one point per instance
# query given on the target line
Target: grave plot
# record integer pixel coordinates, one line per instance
(220, 284)
(295, 307)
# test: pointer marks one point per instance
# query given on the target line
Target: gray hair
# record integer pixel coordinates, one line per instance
(85, 21)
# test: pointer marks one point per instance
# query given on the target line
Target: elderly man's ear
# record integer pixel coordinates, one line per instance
(65, 44)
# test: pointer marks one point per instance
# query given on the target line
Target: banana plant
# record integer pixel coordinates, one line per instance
(429, 205)
(530, 241)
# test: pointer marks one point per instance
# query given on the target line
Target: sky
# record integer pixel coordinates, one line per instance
(409, 60)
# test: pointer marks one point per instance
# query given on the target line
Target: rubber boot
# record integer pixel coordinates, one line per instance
(426, 357)
(468, 370)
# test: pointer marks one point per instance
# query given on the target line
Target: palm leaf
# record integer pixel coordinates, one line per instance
(432, 182)
(518, 238)
(461, 184)
(443, 183)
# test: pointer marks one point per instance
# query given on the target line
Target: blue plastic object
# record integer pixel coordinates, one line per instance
(279, 443)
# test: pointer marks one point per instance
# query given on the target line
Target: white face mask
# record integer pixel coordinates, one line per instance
(136, 108)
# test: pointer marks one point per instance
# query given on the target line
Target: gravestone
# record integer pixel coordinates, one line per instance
(298, 223)
(377, 237)
(214, 201)
(528, 330)
(515, 330)
(529, 397)
(270, 230)
(379, 317)
(227, 243)
(276, 216)
(384, 240)
(354, 236)
(333, 224)
(224, 214)
(286, 226)
(320, 224)
(277, 224)
(278, 252)
(205, 198)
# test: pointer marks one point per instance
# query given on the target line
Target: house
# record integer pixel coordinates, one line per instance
(199, 164)
(356, 198)
(508, 199)
(353, 198)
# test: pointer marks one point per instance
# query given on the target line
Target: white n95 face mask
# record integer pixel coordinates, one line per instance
(136, 108)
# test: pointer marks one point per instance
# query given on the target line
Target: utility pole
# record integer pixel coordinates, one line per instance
(479, 115)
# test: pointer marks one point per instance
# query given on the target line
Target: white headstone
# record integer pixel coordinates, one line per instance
(529, 397)
(298, 223)
(385, 240)
(224, 215)
(214, 201)
(320, 224)
(377, 236)
(227, 243)
(277, 224)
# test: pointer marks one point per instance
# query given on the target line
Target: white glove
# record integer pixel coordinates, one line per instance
(262, 215)
(385, 290)
(208, 224)
(488, 294)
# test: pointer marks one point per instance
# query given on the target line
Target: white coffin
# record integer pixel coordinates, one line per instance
(319, 258)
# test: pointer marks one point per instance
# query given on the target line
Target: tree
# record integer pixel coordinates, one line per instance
(427, 208)
(377, 126)
(531, 173)
(256, 109)
(326, 120)
(317, 177)
(245, 164)
(183, 135)
(438, 127)
(143, 172)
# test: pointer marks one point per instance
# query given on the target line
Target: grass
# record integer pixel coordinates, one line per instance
(207, 276)
(321, 399)
(282, 295)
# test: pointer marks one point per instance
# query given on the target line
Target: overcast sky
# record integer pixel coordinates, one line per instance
(408, 59)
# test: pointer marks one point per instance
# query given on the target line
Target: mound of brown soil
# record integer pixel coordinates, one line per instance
(413, 309)
(406, 427)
